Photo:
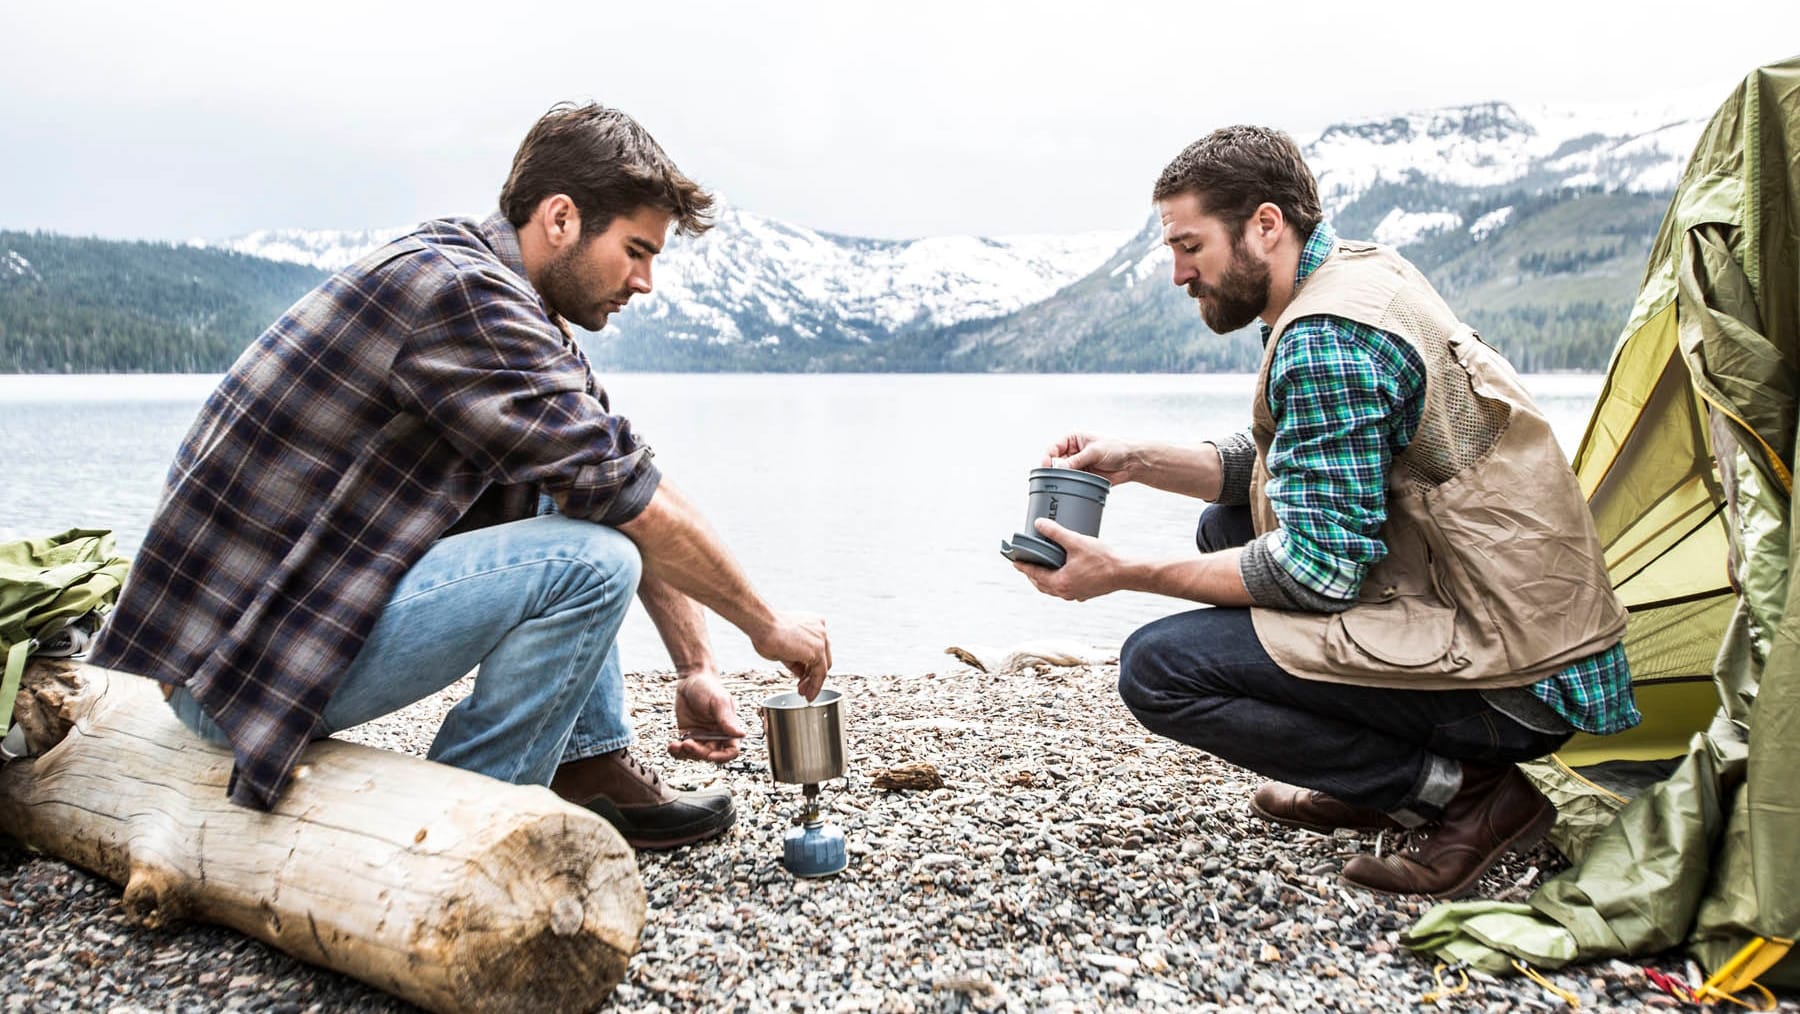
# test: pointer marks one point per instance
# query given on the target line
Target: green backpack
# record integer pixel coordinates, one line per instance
(53, 592)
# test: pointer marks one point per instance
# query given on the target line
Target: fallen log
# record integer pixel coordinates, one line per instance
(450, 889)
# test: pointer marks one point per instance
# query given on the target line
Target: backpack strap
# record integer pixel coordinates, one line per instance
(9, 687)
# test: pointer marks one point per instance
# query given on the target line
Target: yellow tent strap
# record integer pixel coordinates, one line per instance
(1563, 766)
(1740, 973)
(1557, 991)
(1437, 979)
(1781, 471)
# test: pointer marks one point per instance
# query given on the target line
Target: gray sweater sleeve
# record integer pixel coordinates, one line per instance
(1237, 460)
(1274, 588)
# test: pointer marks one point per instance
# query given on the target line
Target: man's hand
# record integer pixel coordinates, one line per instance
(798, 641)
(1107, 457)
(1091, 569)
(706, 720)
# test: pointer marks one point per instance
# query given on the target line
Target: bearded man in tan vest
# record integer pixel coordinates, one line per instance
(1408, 595)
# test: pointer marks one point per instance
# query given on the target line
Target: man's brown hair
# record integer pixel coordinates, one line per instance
(1233, 170)
(607, 164)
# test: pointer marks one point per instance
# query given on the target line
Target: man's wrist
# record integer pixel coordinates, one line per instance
(1134, 575)
(757, 622)
(1137, 463)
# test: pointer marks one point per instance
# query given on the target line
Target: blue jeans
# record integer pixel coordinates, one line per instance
(1203, 678)
(536, 605)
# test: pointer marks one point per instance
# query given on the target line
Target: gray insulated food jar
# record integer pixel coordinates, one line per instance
(1068, 497)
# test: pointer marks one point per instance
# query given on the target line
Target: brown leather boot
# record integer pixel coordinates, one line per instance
(1495, 810)
(634, 799)
(1314, 810)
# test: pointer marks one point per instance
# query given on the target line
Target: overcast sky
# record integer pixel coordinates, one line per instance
(902, 118)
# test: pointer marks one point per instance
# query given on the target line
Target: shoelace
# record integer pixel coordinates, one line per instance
(1405, 840)
(643, 772)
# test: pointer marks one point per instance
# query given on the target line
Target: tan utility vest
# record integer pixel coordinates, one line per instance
(1493, 575)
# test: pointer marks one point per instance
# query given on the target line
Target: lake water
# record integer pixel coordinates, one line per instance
(876, 500)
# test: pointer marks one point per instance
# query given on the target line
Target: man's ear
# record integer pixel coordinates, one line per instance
(560, 221)
(1266, 226)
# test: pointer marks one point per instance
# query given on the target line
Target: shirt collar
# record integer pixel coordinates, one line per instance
(503, 239)
(1318, 246)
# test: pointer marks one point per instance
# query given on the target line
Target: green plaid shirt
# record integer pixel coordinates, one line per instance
(1346, 398)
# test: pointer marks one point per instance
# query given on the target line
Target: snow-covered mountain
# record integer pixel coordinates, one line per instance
(1449, 185)
(760, 280)
(1492, 146)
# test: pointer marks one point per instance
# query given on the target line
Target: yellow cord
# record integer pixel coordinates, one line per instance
(1437, 978)
(1741, 971)
(1708, 994)
(1561, 994)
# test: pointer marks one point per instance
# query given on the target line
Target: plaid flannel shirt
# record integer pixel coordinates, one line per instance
(1346, 398)
(349, 437)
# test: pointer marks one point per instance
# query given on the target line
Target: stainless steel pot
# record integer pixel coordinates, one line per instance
(805, 739)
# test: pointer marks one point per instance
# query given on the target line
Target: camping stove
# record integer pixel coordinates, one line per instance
(806, 747)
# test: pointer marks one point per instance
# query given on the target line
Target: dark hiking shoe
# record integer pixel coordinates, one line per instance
(1495, 810)
(1314, 810)
(634, 799)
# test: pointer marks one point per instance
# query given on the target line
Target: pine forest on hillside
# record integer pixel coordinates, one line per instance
(72, 305)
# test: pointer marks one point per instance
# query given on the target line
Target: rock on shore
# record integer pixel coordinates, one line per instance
(1070, 861)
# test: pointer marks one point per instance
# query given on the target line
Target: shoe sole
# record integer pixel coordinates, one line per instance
(1324, 829)
(697, 832)
(1527, 836)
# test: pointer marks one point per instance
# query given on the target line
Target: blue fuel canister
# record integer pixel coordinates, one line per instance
(814, 849)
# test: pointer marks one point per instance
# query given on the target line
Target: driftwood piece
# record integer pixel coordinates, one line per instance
(911, 776)
(450, 889)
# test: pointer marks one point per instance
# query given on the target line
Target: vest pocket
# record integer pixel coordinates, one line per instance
(1519, 554)
(1408, 630)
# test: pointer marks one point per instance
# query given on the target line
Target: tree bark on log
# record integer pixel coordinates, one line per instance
(455, 891)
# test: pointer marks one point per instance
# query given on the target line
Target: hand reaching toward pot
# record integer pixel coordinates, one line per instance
(798, 641)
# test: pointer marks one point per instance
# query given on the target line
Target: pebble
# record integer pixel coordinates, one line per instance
(1071, 863)
(1112, 961)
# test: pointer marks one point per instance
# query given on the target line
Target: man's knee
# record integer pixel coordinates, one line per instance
(1145, 662)
(606, 555)
(1222, 527)
(616, 553)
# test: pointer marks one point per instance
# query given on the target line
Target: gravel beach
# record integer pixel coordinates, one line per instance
(1070, 862)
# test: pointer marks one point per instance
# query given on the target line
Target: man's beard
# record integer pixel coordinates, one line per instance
(1240, 295)
(565, 294)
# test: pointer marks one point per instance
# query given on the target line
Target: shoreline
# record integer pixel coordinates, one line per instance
(1071, 862)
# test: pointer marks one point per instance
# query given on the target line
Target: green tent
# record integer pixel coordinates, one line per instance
(1688, 466)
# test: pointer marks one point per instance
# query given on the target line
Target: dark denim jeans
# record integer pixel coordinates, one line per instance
(1202, 678)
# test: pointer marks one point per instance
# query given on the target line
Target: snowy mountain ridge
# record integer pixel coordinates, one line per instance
(754, 278)
(759, 283)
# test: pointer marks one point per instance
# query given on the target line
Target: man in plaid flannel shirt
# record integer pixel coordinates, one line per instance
(1241, 216)
(414, 473)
